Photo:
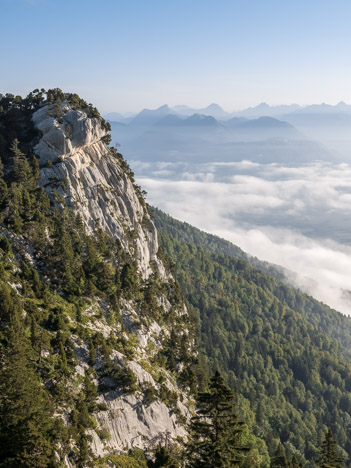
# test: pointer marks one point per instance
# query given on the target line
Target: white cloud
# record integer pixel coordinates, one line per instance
(297, 217)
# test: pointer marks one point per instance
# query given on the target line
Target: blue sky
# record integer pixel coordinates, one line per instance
(130, 54)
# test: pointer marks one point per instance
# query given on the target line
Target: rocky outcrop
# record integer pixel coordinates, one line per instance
(131, 424)
(64, 131)
(128, 420)
(79, 168)
(79, 171)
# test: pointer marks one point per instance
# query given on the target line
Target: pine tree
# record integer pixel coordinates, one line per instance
(279, 459)
(92, 353)
(3, 188)
(9, 302)
(21, 169)
(83, 451)
(128, 280)
(163, 459)
(26, 422)
(329, 457)
(91, 393)
(215, 430)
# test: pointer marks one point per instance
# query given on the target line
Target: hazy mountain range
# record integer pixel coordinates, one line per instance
(260, 110)
(166, 135)
(322, 123)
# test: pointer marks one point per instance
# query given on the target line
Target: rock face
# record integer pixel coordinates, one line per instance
(131, 424)
(65, 131)
(79, 170)
(128, 419)
(78, 166)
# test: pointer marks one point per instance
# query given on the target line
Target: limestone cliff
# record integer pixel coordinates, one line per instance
(79, 167)
(100, 312)
(80, 171)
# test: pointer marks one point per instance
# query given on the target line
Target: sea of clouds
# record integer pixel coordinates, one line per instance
(298, 217)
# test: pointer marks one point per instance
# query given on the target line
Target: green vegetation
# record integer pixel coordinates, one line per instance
(27, 429)
(215, 430)
(55, 282)
(284, 352)
(329, 456)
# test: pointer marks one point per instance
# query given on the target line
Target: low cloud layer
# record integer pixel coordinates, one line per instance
(297, 217)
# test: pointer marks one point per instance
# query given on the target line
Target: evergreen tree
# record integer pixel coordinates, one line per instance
(128, 280)
(329, 457)
(3, 188)
(91, 393)
(92, 353)
(279, 459)
(163, 459)
(215, 430)
(21, 169)
(83, 451)
(8, 302)
(25, 410)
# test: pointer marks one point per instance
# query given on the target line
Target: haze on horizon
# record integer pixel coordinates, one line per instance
(126, 56)
(181, 108)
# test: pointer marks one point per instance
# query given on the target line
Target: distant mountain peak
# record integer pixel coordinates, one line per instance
(151, 116)
(213, 110)
(263, 105)
(165, 108)
(214, 107)
(343, 106)
(201, 119)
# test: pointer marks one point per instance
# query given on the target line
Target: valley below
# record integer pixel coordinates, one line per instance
(275, 190)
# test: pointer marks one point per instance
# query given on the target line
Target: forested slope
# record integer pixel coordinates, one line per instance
(282, 350)
(96, 356)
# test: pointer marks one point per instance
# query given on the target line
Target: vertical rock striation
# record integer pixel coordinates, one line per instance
(79, 171)
(78, 166)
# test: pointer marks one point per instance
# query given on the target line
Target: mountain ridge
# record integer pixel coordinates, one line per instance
(87, 304)
(261, 110)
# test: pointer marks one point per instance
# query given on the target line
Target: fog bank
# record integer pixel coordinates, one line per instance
(297, 217)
